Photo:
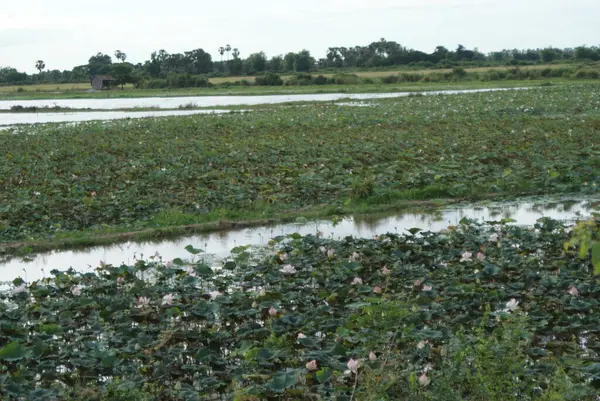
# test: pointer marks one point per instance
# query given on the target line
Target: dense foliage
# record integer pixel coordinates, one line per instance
(472, 313)
(380, 54)
(175, 171)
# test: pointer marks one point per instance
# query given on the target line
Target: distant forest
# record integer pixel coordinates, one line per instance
(382, 54)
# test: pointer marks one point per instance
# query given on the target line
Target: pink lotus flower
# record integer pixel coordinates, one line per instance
(272, 311)
(120, 281)
(386, 271)
(169, 264)
(417, 283)
(424, 380)
(311, 366)
(357, 281)
(573, 290)
(76, 290)
(142, 302)
(353, 366)
(191, 272)
(377, 290)
(301, 336)
(372, 356)
(283, 256)
(427, 287)
(466, 257)
(480, 256)
(167, 299)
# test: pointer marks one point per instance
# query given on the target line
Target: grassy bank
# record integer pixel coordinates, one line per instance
(161, 174)
(500, 313)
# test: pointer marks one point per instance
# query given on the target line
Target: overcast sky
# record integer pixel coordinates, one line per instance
(65, 33)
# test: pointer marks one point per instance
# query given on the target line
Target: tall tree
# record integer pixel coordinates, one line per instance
(99, 64)
(221, 52)
(40, 65)
(119, 55)
(304, 62)
(228, 49)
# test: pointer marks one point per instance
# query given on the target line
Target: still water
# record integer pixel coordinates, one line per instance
(218, 245)
(212, 101)
(10, 119)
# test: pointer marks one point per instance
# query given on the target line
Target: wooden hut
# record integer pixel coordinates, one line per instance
(100, 82)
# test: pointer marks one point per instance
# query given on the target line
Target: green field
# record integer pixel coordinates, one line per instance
(159, 177)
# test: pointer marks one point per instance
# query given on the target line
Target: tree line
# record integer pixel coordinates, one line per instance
(380, 54)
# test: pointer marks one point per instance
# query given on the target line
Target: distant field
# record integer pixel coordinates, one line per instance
(364, 74)
(379, 74)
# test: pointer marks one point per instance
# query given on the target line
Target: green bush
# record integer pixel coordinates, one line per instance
(269, 79)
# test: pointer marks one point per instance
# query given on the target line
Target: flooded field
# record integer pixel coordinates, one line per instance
(218, 245)
(213, 101)
(11, 119)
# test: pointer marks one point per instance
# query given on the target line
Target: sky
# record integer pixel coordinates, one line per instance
(65, 33)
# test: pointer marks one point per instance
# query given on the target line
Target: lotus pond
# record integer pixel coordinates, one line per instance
(97, 179)
(475, 312)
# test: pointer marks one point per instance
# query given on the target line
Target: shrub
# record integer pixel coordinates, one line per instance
(269, 79)
(321, 80)
(390, 79)
(346, 79)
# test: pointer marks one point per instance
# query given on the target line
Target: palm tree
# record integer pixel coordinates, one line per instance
(228, 49)
(221, 52)
(40, 65)
(120, 55)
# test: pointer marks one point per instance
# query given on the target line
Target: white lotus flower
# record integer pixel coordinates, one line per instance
(142, 302)
(357, 281)
(288, 269)
(167, 299)
(466, 257)
(512, 305)
(19, 289)
(76, 290)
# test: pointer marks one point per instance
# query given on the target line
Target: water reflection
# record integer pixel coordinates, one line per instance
(11, 119)
(212, 101)
(219, 244)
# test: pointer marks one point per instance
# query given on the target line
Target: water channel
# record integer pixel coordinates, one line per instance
(7, 120)
(218, 245)
(212, 101)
